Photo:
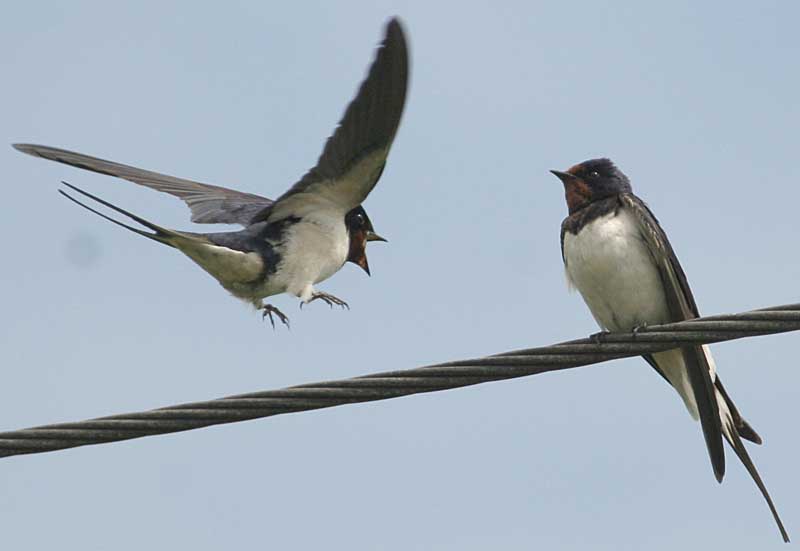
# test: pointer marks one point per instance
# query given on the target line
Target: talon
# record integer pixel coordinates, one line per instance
(269, 310)
(330, 300)
(599, 337)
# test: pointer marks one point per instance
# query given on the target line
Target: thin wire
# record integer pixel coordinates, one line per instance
(393, 384)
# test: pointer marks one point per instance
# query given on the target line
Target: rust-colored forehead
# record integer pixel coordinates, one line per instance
(575, 170)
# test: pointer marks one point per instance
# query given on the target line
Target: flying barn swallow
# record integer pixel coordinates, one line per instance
(616, 254)
(309, 232)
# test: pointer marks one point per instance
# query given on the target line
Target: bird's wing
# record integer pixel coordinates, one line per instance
(682, 306)
(354, 156)
(209, 204)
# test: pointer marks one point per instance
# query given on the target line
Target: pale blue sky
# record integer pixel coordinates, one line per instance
(696, 101)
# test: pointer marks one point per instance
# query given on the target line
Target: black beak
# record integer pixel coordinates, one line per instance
(564, 176)
(372, 236)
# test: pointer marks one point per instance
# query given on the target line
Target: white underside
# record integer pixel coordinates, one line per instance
(313, 250)
(611, 266)
(226, 265)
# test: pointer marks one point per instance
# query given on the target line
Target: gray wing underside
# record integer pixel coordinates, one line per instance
(353, 158)
(209, 204)
(682, 306)
(350, 165)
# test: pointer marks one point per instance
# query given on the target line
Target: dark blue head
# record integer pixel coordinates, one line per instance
(592, 181)
(360, 230)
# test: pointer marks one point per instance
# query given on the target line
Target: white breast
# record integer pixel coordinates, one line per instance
(611, 266)
(315, 248)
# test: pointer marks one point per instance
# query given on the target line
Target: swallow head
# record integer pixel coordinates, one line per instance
(592, 181)
(360, 230)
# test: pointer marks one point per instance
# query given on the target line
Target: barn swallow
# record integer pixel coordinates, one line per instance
(619, 258)
(309, 232)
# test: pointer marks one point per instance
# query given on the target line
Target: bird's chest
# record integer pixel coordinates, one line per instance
(609, 262)
(313, 251)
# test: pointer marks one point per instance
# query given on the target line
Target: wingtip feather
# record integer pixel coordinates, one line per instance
(27, 148)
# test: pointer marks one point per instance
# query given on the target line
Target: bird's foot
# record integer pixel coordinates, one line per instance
(330, 300)
(269, 310)
(638, 328)
(599, 337)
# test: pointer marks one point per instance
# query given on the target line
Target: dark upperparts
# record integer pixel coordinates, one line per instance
(368, 127)
(591, 181)
(359, 230)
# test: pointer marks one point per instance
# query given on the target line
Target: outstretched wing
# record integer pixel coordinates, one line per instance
(209, 204)
(354, 156)
(682, 306)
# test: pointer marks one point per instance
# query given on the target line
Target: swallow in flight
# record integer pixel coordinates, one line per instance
(306, 235)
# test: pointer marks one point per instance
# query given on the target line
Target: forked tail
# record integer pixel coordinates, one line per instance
(162, 235)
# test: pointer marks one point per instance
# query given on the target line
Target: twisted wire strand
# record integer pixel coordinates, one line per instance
(393, 384)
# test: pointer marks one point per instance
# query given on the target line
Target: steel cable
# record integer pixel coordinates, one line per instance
(393, 384)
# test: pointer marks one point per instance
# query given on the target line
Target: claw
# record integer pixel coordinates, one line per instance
(269, 310)
(330, 300)
(598, 338)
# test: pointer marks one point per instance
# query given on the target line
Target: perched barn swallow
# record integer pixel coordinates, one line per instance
(309, 232)
(618, 257)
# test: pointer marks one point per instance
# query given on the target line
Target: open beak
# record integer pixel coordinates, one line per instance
(372, 236)
(564, 176)
(364, 264)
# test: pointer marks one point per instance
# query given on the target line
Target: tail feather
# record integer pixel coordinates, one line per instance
(748, 433)
(732, 436)
(700, 373)
(742, 427)
(161, 235)
(734, 428)
(230, 258)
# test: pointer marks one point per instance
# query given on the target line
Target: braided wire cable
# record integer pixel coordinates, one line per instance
(393, 384)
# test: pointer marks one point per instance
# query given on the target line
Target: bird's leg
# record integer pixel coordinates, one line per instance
(330, 300)
(599, 337)
(269, 309)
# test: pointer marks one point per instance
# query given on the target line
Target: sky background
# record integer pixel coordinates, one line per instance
(696, 101)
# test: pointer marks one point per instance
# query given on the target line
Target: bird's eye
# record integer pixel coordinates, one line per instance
(360, 219)
(594, 174)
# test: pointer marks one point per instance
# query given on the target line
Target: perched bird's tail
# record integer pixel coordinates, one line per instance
(733, 438)
(734, 428)
(162, 235)
(728, 423)
(742, 427)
